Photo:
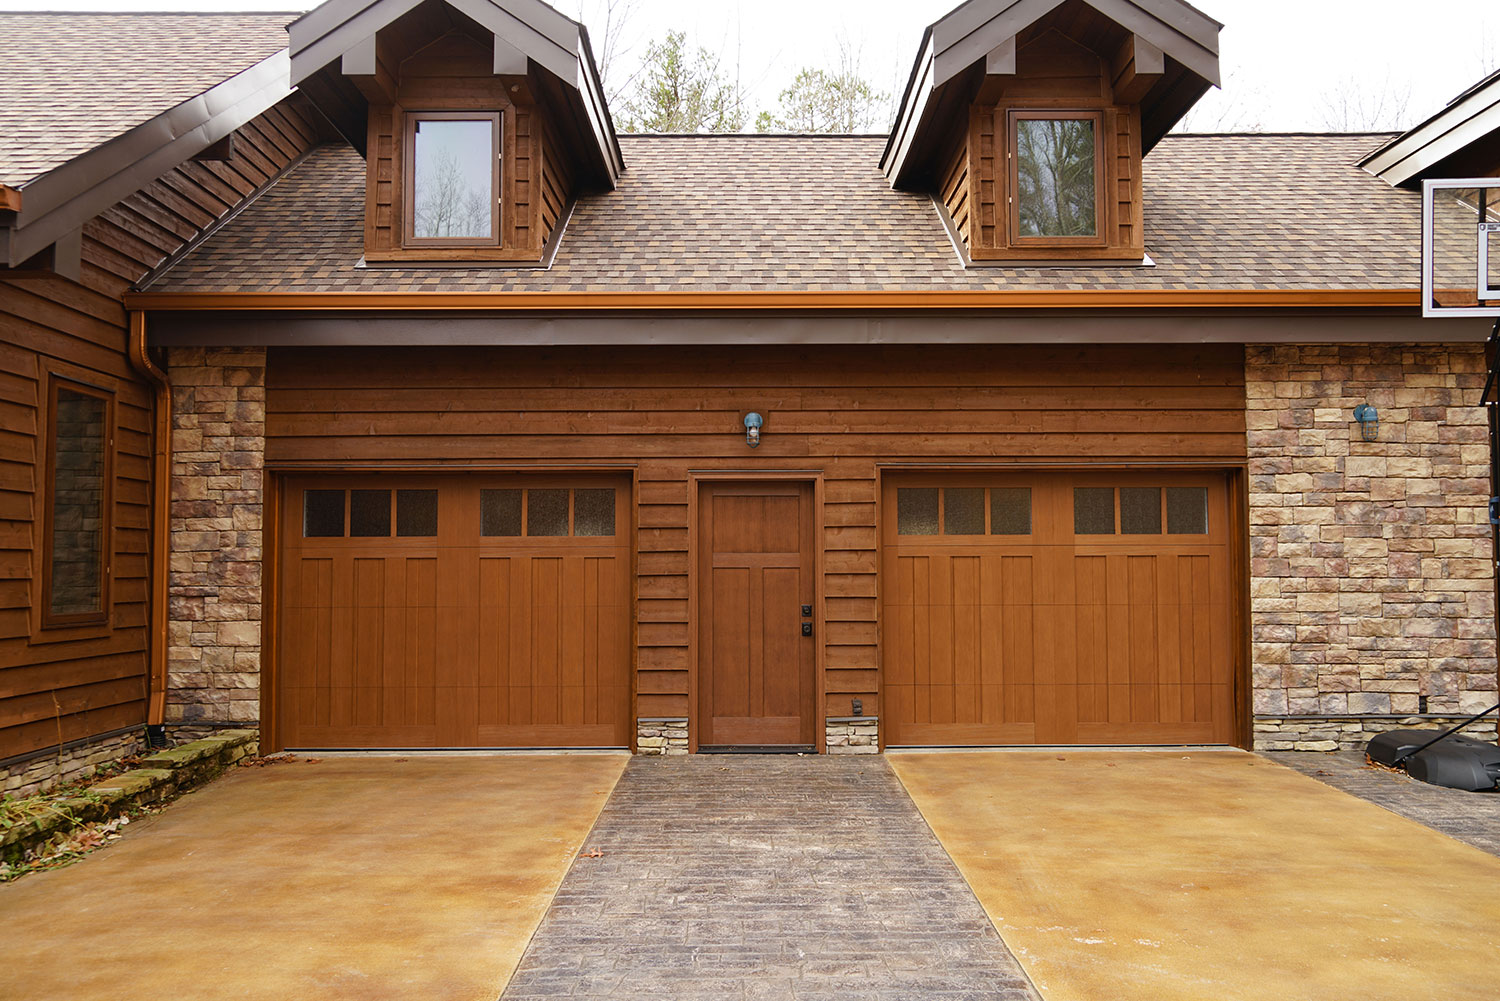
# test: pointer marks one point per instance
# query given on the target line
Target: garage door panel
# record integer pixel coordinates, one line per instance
(1094, 638)
(457, 638)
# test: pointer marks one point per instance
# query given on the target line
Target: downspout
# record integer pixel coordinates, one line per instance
(161, 502)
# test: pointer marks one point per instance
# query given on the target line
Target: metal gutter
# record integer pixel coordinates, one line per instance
(878, 299)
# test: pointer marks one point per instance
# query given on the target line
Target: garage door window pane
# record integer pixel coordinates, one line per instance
(917, 511)
(323, 514)
(416, 512)
(546, 512)
(593, 512)
(1187, 510)
(369, 513)
(1010, 511)
(1140, 510)
(963, 511)
(500, 512)
(1094, 510)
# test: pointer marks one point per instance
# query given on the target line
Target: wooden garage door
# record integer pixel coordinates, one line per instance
(453, 612)
(1057, 609)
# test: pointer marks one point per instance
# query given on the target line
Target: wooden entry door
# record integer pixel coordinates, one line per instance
(756, 656)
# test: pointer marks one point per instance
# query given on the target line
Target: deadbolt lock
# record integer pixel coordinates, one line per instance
(807, 629)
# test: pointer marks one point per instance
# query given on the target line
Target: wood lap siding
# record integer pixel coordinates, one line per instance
(839, 412)
(953, 188)
(68, 684)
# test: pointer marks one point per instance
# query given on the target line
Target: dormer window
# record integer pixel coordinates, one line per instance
(452, 163)
(1056, 177)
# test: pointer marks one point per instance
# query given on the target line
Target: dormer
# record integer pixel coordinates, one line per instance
(1028, 121)
(480, 121)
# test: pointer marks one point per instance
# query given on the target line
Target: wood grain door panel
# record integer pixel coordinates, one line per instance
(455, 639)
(756, 679)
(1057, 637)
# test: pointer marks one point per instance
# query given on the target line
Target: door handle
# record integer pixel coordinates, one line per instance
(807, 629)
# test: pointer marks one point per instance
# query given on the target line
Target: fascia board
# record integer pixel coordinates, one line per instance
(1448, 133)
(63, 199)
(559, 58)
(919, 94)
(964, 37)
(954, 53)
(311, 48)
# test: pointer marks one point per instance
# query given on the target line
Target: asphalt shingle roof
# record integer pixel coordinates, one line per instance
(74, 81)
(736, 212)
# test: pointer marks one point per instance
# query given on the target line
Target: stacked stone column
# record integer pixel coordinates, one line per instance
(218, 458)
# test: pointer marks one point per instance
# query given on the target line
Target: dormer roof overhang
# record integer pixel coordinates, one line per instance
(1462, 140)
(336, 42)
(979, 38)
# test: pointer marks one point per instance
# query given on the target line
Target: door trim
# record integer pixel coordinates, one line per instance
(696, 481)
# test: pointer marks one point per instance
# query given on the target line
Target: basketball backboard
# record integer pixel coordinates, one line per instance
(1461, 247)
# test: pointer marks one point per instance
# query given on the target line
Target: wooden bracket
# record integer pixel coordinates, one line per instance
(10, 198)
(367, 71)
(1137, 67)
(999, 69)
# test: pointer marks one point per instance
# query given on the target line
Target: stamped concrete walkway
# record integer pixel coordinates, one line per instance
(785, 877)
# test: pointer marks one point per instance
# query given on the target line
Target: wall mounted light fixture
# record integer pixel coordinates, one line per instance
(1368, 420)
(753, 421)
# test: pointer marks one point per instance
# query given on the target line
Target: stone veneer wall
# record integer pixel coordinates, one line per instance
(852, 734)
(661, 735)
(1372, 584)
(75, 760)
(218, 453)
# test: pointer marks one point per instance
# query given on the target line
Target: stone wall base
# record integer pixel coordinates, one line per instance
(658, 735)
(181, 733)
(1350, 733)
(77, 760)
(853, 734)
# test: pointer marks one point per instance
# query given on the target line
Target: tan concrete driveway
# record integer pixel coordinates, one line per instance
(358, 878)
(1177, 876)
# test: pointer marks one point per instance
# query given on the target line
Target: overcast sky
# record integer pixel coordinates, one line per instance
(1288, 64)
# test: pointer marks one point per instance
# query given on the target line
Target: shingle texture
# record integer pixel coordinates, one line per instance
(74, 81)
(711, 213)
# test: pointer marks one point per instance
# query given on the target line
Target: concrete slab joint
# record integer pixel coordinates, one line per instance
(218, 497)
(1371, 574)
(661, 735)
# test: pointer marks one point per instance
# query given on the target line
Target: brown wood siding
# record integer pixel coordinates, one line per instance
(953, 188)
(838, 412)
(64, 684)
(454, 73)
(1056, 73)
(556, 183)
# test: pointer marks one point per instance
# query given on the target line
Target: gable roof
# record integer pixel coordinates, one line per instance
(979, 36)
(524, 32)
(95, 106)
(1469, 121)
(741, 212)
